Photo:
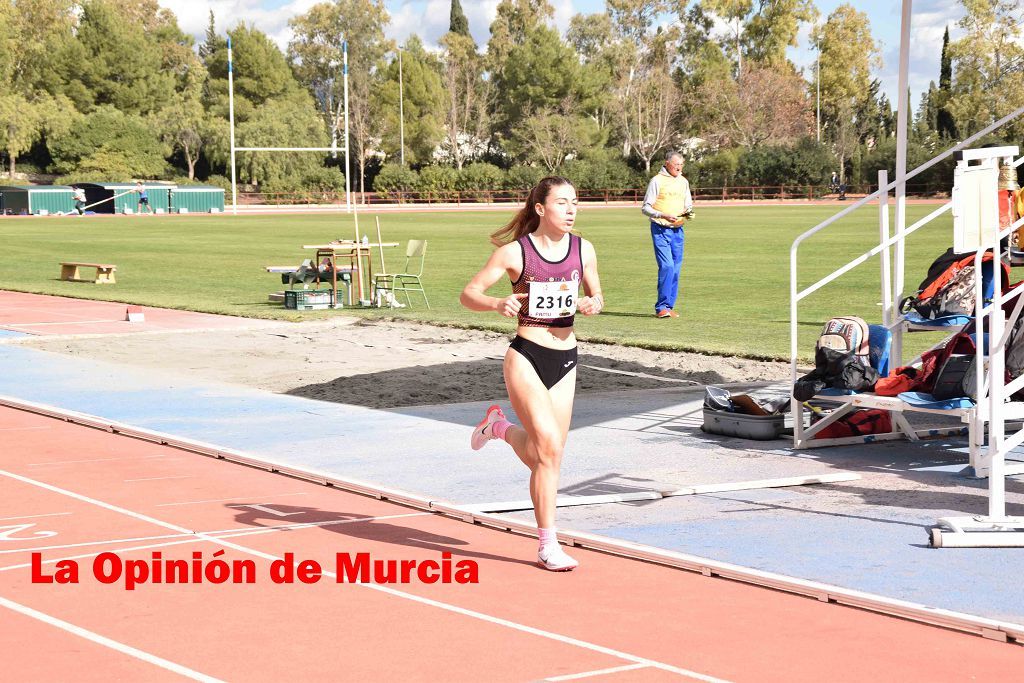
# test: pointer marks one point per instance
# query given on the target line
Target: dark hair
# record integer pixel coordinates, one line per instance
(527, 220)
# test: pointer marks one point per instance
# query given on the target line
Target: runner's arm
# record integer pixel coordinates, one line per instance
(506, 259)
(593, 302)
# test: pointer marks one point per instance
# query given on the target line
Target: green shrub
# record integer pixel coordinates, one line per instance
(221, 182)
(438, 182)
(717, 170)
(480, 180)
(523, 178)
(607, 174)
(395, 179)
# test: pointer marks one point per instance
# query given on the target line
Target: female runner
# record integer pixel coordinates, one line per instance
(546, 264)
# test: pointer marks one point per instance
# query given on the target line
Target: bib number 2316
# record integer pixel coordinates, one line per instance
(552, 299)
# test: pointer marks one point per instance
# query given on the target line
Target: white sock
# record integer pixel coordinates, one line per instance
(547, 537)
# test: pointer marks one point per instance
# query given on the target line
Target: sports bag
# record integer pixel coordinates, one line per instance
(847, 334)
(948, 289)
(858, 423)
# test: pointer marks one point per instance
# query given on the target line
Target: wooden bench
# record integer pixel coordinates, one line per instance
(104, 272)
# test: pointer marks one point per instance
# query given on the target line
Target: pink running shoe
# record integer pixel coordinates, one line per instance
(482, 432)
(553, 558)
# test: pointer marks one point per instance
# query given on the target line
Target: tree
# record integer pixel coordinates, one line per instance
(765, 105)
(20, 127)
(539, 74)
(261, 72)
(316, 56)
(945, 126)
(927, 113)
(32, 32)
(458, 23)
(468, 103)
(646, 120)
(552, 134)
(184, 125)
(513, 21)
(988, 62)
(281, 123)
(774, 27)
(213, 41)
(115, 61)
(593, 38)
(127, 141)
(424, 103)
(732, 12)
(848, 53)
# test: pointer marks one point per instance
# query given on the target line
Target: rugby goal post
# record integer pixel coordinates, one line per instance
(333, 149)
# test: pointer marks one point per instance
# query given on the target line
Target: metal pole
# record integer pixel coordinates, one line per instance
(348, 181)
(817, 70)
(401, 109)
(231, 125)
(888, 314)
(901, 157)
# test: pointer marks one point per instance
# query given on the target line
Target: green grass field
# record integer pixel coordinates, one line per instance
(735, 282)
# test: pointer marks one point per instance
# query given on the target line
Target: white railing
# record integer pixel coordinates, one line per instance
(992, 406)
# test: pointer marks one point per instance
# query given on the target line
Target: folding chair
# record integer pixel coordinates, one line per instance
(405, 281)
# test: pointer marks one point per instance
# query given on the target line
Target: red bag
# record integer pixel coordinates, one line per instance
(858, 423)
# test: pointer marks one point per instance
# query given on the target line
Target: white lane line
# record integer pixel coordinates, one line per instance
(599, 672)
(582, 644)
(221, 533)
(182, 476)
(222, 500)
(75, 462)
(49, 514)
(63, 322)
(107, 642)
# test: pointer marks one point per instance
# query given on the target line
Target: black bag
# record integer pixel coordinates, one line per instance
(955, 378)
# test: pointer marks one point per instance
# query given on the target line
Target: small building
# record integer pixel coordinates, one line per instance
(116, 197)
(197, 198)
(24, 200)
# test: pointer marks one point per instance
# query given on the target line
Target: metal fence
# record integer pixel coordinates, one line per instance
(608, 196)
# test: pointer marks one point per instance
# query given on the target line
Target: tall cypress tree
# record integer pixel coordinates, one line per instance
(944, 123)
(459, 23)
(213, 42)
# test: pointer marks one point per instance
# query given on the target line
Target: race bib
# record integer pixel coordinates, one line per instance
(553, 299)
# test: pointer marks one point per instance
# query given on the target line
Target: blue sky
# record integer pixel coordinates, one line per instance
(429, 19)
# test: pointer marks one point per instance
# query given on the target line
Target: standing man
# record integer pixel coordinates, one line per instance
(143, 198)
(668, 205)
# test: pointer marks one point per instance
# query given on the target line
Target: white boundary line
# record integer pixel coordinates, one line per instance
(599, 672)
(969, 623)
(221, 533)
(106, 642)
(49, 514)
(372, 586)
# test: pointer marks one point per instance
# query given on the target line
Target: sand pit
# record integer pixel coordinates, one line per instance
(391, 364)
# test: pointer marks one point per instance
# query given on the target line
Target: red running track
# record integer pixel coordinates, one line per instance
(68, 491)
(49, 315)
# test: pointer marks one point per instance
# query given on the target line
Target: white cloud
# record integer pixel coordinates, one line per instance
(429, 20)
(194, 15)
(927, 25)
(564, 11)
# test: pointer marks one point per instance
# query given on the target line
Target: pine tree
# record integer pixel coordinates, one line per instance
(944, 123)
(459, 23)
(213, 42)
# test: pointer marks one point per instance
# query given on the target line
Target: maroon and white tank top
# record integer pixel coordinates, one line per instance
(555, 299)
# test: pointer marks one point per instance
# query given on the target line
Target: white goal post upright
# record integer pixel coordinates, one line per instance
(333, 148)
